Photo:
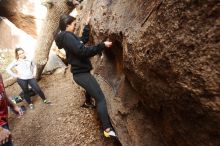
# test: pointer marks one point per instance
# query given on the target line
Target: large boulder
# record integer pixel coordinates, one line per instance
(25, 14)
(167, 54)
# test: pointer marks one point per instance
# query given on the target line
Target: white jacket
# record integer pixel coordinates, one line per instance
(24, 69)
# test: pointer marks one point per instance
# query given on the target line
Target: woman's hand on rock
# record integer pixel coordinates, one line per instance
(108, 44)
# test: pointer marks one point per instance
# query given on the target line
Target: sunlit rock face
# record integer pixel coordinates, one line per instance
(14, 37)
(163, 65)
(25, 14)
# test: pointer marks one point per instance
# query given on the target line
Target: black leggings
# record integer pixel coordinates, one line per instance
(88, 98)
(89, 83)
(33, 83)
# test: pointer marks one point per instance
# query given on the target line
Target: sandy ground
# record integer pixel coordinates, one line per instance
(63, 123)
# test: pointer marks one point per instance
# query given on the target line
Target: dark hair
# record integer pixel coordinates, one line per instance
(64, 21)
(16, 52)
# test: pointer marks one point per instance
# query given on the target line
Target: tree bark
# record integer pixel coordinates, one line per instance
(55, 8)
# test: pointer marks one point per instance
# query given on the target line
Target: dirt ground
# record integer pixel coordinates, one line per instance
(63, 123)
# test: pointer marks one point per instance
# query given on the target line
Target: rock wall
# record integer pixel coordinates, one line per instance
(163, 69)
(25, 14)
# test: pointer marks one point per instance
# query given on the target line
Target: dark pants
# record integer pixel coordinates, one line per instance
(88, 98)
(33, 83)
(89, 83)
(9, 143)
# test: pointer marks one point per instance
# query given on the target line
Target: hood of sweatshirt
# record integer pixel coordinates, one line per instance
(59, 39)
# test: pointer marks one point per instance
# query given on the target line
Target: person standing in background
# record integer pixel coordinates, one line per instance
(25, 74)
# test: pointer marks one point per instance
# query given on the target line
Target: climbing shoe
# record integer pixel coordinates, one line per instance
(31, 106)
(88, 105)
(73, 3)
(46, 101)
(110, 133)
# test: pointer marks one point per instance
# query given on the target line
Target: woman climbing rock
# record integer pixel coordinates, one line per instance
(78, 56)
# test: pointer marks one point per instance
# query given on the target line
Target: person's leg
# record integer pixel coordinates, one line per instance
(88, 97)
(24, 86)
(89, 83)
(34, 85)
(89, 101)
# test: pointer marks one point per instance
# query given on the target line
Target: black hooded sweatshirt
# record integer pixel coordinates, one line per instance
(78, 56)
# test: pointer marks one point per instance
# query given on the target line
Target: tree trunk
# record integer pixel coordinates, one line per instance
(48, 31)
